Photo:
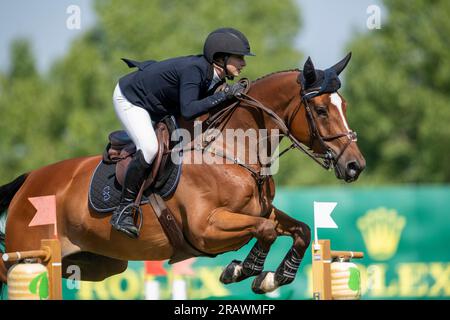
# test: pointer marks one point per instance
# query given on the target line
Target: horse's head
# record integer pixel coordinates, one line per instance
(329, 135)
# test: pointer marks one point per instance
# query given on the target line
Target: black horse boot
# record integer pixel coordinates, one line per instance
(122, 218)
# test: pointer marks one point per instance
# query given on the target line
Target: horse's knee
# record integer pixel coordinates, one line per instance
(266, 232)
(302, 237)
(306, 234)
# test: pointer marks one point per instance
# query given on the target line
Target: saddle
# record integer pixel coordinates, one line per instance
(121, 148)
(108, 178)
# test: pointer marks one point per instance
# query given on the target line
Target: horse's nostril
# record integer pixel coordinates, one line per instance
(352, 168)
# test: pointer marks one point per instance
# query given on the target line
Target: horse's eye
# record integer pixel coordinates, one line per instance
(321, 111)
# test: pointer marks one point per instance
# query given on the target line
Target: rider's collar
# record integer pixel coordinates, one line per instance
(216, 79)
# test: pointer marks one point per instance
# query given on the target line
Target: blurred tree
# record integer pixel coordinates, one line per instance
(22, 103)
(162, 29)
(83, 88)
(398, 90)
(22, 64)
(68, 112)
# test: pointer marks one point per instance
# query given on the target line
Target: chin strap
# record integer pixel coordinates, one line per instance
(227, 75)
(224, 67)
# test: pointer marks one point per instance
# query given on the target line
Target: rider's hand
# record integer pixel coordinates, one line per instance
(234, 90)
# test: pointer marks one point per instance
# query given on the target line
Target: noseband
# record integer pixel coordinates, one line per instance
(328, 158)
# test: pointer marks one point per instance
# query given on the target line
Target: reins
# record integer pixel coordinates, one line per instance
(326, 159)
(219, 120)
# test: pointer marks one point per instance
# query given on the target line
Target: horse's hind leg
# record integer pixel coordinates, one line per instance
(286, 271)
(226, 226)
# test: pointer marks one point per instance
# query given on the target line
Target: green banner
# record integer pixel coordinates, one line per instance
(403, 231)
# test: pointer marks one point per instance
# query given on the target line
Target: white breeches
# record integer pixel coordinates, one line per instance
(137, 123)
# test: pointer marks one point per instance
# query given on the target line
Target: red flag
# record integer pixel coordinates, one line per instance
(184, 267)
(155, 268)
(46, 211)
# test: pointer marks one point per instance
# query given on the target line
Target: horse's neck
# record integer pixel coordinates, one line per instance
(275, 92)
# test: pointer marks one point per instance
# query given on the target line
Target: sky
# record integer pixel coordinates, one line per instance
(328, 25)
(44, 23)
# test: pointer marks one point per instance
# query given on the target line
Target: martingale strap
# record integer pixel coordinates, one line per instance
(325, 159)
(282, 126)
(182, 248)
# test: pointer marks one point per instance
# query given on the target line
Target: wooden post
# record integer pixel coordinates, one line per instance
(322, 257)
(50, 256)
(54, 267)
(321, 270)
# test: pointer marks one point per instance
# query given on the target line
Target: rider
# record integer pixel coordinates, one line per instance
(179, 86)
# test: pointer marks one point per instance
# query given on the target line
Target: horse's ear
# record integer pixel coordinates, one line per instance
(309, 72)
(338, 67)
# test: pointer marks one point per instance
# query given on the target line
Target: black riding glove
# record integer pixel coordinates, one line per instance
(234, 90)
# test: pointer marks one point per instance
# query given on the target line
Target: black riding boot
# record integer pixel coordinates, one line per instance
(122, 218)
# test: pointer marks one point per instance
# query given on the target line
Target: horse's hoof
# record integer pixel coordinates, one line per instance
(264, 283)
(232, 272)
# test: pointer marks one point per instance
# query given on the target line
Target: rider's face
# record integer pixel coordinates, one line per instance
(235, 64)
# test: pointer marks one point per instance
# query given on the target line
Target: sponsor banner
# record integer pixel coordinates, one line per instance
(403, 231)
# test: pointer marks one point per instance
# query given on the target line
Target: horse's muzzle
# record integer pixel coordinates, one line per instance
(352, 170)
(349, 171)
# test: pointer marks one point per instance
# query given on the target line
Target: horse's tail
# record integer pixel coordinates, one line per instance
(8, 191)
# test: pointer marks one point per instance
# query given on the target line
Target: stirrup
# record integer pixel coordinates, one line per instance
(136, 208)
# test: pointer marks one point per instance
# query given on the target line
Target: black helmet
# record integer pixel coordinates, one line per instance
(226, 40)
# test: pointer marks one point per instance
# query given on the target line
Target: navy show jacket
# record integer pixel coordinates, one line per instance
(176, 86)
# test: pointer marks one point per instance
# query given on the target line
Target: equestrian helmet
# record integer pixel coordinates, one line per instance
(226, 40)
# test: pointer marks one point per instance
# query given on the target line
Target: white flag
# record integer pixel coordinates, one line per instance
(322, 214)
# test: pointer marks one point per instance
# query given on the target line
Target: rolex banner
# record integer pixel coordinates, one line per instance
(403, 232)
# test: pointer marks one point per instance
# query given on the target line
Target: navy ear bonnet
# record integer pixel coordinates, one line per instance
(316, 82)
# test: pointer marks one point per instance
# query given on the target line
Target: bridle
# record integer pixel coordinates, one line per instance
(327, 159)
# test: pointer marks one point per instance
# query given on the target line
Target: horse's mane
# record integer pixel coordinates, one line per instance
(276, 72)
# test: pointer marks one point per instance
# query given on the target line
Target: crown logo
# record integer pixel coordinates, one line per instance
(381, 229)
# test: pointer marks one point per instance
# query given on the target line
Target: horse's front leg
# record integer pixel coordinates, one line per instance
(232, 228)
(252, 265)
(286, 271)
